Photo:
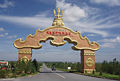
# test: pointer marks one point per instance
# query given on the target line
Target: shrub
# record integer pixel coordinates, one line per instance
(78, 67)
(93, 72)
(3, 73)
(100, 73)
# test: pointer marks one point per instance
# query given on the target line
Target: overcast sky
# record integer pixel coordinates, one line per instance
(98, 20)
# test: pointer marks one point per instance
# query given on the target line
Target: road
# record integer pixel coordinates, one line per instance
(47, 75)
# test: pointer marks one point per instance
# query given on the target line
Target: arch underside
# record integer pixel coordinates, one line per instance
(58, 35)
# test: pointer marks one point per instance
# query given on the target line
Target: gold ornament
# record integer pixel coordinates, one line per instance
(25, 59)
(89, 62)
(58, 21)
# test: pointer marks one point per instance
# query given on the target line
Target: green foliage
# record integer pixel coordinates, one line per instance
(100, 73)
(78, 67)
(98, 67)
(20, 68)
(35, 63)
(104, 75)
(29, 67)
(112, 67)
(3, 73)
(23, 74)
(93, 72)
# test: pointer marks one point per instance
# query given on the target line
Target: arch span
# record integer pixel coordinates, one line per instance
(57, 36)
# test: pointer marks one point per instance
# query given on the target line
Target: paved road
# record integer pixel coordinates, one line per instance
(48, 75)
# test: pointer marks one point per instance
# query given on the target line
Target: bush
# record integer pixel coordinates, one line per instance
(93, 72)
(23, 74)
(100, 73)
(78, 67)
(35, 64)
(3, 73)
(20, 68)
(112, 67)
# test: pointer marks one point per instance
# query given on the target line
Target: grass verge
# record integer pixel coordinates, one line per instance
(96, 74)
(104, 75)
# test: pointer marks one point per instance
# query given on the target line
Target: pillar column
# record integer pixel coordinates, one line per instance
(25, 54)
(87, 61)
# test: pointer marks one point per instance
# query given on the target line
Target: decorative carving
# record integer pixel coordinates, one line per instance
(89, 62)
(25, 59)
(89, 53)
(24, 52)
(58, 21)
(58, 35)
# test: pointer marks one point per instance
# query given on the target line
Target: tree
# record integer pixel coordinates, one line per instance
(78, 67)
(35, 63)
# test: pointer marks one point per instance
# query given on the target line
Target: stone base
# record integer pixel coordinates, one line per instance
(88, 70)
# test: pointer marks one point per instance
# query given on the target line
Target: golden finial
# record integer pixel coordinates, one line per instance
(58, 11)
(58, 21)
(62, 13)
(54, 13)
(58, 15)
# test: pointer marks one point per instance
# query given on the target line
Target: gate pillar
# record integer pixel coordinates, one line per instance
(24, 54)
(87, 61)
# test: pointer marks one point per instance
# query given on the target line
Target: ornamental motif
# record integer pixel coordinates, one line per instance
(24, 52)
(58, 21)
(89, 54)
(25, 59)
(89, 62)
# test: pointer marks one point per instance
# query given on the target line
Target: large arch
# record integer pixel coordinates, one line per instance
(58, 33)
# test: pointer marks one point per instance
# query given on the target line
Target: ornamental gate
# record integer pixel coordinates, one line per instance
(58, 33)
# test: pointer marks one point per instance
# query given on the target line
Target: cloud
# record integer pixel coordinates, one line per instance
(12, 37)
(82, 19)
(8, 36)
(1, 29)
(3, 35)
(6, 33)
(34, 21)
(110, 43)
(85, 19)
(6, 4)
(72, 12)
(91, 35)
(115, 40)
(108, 2)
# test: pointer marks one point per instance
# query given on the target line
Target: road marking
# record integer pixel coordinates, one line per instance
(8, 79)
(60, 75)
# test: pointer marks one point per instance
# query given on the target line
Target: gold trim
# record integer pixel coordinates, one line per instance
(89, 54)
(24, 51)
(89, 62)
(53, 43)
(25, 58)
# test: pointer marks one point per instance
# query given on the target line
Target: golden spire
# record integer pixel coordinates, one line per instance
(58, 21)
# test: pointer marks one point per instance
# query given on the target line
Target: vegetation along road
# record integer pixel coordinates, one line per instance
(47, 74)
